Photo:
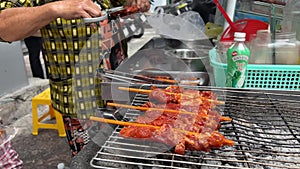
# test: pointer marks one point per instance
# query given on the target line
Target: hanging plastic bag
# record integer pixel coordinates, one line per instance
(187, 26)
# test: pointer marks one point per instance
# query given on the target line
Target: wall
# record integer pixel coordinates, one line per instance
(12, 68)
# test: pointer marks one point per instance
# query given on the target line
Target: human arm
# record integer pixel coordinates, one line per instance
(142, 5)
(18, 23)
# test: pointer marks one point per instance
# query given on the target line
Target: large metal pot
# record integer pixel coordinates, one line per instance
(194, 59)
(187, 44)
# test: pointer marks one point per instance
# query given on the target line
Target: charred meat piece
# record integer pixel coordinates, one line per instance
(178, 95)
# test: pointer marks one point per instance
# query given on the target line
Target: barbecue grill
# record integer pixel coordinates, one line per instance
(265, 128)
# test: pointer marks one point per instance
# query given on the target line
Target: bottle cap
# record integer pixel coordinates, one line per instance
(239, 36)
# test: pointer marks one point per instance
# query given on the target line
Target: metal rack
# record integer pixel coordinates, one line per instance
(265, 128)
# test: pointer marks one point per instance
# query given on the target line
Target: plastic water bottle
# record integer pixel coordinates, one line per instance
(237, 61)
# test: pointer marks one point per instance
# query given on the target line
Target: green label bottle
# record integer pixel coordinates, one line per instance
(237, 61)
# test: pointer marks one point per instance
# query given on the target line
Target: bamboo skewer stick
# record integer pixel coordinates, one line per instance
(167, 80)
(143, 77)
(122, 123)
(134, 90)
(149, 91)
(147, 108)
(222, 118)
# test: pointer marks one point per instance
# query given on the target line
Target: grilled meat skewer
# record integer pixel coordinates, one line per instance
(180, 111)
(180, 140)
(171, 136)
(174, 94)
(192, 123)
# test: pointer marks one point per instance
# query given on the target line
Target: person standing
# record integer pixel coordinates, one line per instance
(206, 9)
(35, 49)
(72, 53)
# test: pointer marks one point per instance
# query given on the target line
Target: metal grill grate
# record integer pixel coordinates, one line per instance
(265, 128)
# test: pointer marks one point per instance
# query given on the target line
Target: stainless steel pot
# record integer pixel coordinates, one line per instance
(194, 59)
(187, 44)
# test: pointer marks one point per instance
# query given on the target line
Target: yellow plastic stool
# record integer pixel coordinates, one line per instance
(44, 98)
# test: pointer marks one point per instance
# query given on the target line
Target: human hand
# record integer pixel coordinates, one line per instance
(142, 5)
(74, 9)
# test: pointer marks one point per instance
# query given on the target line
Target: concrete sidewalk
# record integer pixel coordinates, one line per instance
(43, 151)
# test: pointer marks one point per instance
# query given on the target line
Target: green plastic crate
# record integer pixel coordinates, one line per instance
(275, 77)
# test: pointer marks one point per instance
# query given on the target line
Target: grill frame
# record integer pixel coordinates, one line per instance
(265, 128)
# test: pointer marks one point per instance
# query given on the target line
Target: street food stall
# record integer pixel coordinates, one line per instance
(167, 106)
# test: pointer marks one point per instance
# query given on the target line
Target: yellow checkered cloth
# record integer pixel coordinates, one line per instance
(73, 53)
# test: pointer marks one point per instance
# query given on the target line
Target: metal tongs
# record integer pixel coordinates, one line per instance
(145, 77)
(118, 76)
(108, 12)
(116, 114)
(131, 78)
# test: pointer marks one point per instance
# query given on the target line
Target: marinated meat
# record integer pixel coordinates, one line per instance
(192, 126)
(181, 141)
